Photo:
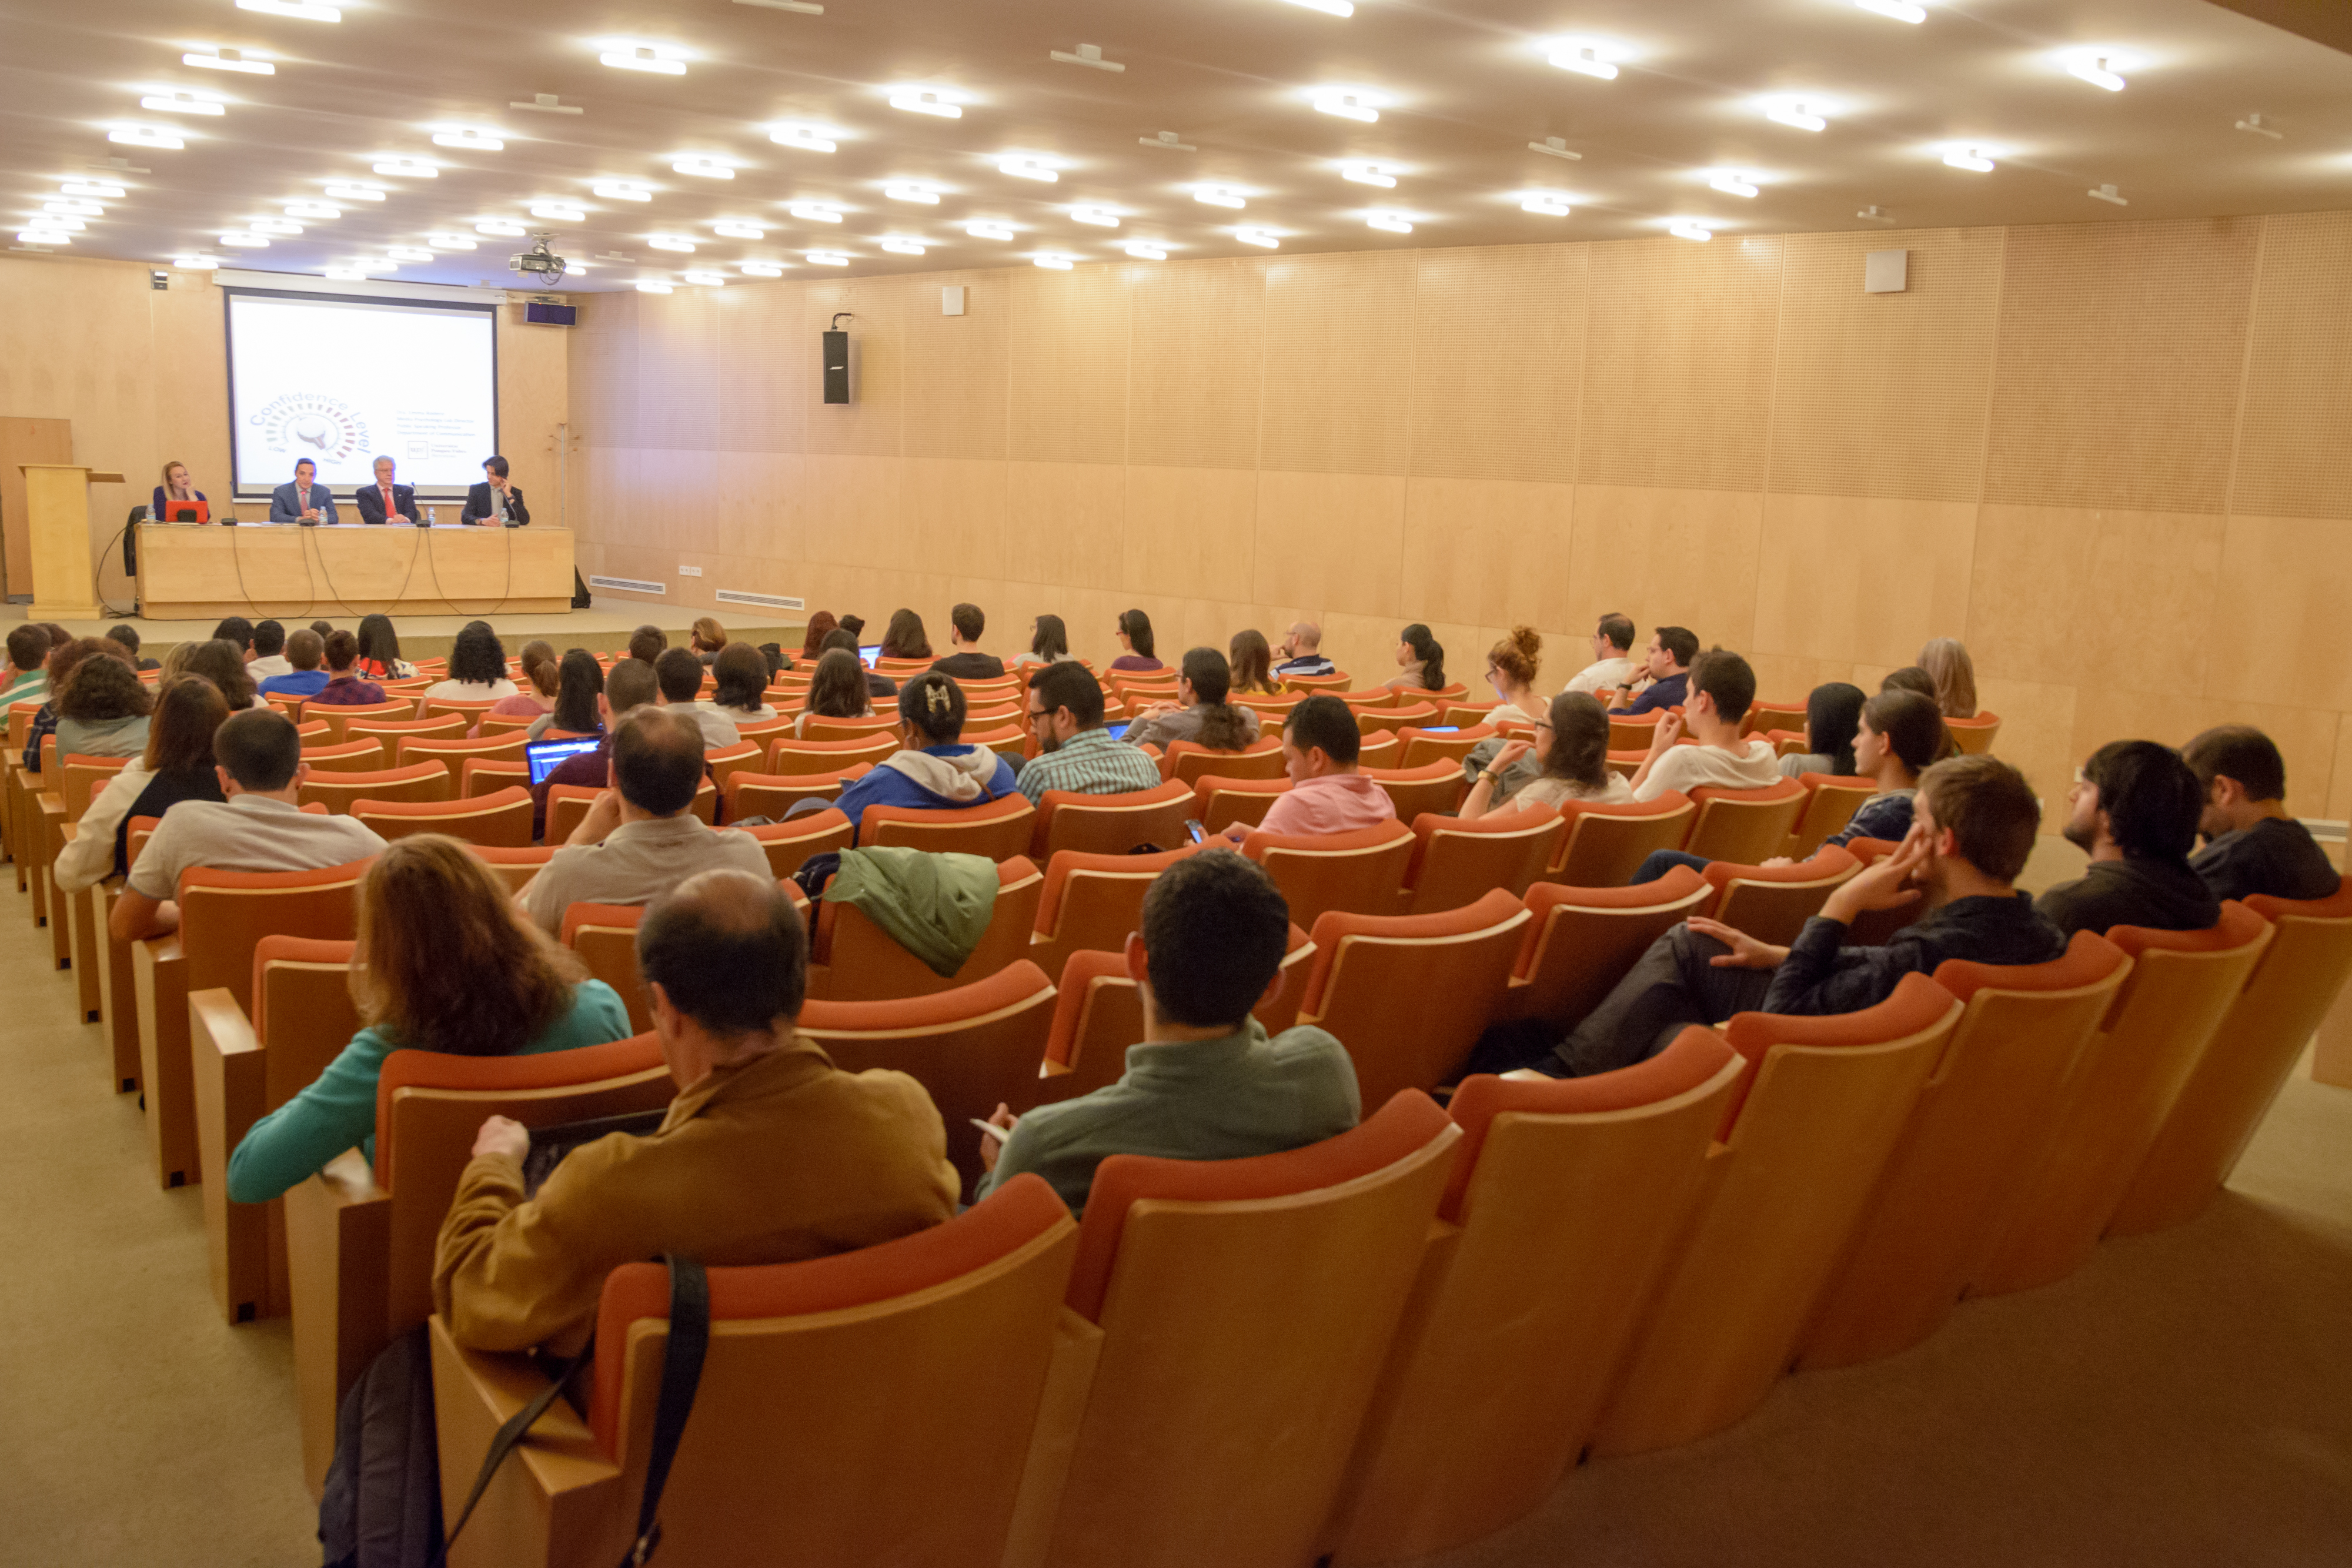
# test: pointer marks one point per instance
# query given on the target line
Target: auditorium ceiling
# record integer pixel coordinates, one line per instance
(742, 138)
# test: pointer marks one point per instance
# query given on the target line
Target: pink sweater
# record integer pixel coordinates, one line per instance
(1335, 803)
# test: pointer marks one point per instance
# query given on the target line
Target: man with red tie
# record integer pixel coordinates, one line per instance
(384, 500)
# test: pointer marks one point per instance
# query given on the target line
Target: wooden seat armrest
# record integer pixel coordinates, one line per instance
(337, 1267)
(553, 1500)
(1054, 1442)
(229, 1099)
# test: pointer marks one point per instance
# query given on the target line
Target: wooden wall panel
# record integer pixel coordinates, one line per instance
(2095, 597)
(604, 370)
(1489, 552)
(772, 375)
(1862, 580)
(1069, 358)
(1885, 395)
(1338, 362)
(2294, 441)
(678, 341)
(956, 372)
(1678, 362)
(1667, 557)
(2122, 347)
(1498, 360)
(1196, 367)
(872, 425)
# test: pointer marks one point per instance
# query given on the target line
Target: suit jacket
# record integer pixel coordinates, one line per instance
(477, 505)
(285, 508)
(370, 503)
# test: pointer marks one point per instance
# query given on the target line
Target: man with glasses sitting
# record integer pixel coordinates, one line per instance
(1075, 752)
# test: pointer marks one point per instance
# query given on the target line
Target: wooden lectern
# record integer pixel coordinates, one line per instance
(57, 516)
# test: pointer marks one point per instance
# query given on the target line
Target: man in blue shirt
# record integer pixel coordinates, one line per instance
(305, 651)
(1667, 662)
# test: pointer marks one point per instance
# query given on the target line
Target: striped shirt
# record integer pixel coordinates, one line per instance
(1091, 762)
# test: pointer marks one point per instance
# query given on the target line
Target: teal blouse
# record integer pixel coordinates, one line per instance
(338, 1111)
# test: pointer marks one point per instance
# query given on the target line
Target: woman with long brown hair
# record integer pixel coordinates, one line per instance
(1200, 712)
(444, 962)
(905, 637)
(176, 766)
(1253, 663)
(813, 640)
(837, 690)
(542, 683)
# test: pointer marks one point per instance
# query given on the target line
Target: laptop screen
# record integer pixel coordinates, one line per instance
(867, 656)
(544, 755)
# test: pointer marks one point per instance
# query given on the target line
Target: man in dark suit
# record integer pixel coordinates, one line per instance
(384, 500)
(303, 501)
(496, 502)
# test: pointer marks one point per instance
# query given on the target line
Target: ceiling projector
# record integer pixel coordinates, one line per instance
(538, 261)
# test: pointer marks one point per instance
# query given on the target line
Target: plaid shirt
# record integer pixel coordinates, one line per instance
(1091, 762)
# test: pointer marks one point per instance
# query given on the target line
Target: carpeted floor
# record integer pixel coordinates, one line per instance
(2185, 1399)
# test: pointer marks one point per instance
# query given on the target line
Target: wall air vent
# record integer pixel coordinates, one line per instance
(625, 585)
(764, 601)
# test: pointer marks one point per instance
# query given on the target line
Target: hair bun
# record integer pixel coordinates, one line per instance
(1528, 640)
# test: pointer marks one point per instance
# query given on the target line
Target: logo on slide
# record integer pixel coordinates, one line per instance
(323, 429)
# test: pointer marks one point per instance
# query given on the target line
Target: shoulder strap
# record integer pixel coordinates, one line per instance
(689, 1337)
(505, 1440)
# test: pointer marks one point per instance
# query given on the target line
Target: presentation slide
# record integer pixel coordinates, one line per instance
(344, 382)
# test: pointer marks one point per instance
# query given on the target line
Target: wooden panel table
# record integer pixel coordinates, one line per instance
(200, 573)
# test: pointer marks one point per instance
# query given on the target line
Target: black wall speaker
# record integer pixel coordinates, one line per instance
(836, 367)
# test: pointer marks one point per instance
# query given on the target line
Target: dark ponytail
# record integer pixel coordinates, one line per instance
(1223, 728)
(1430, 652)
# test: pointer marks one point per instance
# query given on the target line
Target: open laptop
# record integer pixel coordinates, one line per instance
(544, 756)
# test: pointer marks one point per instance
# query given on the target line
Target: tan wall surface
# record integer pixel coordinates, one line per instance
(2116, 458)
(142, 374)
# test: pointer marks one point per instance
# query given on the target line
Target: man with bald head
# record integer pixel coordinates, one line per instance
(769, 1155)
(1302, 651)
(640, 838)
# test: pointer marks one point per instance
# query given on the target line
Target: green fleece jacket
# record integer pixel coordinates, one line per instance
(934, 905)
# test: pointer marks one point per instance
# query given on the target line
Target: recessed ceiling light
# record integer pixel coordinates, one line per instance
(301, 10)
(1365, 172)
(1802, 113)
(815, 212)
(902, 245)
(981, 228)
(652, 286)
(445, 241)
(1023, 166)
(273, 226)
(705, 279)
(43, 236)
(761, 268)
(1389, 221)
(474, 141)
(1360, 104)
(1144, 250)
(806, 138)
(1100, 217)
(1595, 58)
(75, 207)
(407, 253)
(730, 228)
(152, 136)
(407, 169)
(1054, 261)
(229, 60)
(2253, 122)
(238, 241)
(703, 168)
(1731, 183)
(500, 229)
(1169, 141)
(546, 103)
(1969, 156)
(1088, 55)
(826, 259)
(928, 100)
(1545, 204)
(1263, 239)
(558, 212)
(2109, 194)
(2099, 68)
(670, 242)
(1901, 10)
(350, 191)
(1684, 228)
(1329, 8)
(1219, 197)
(182, 103)
(621, 191)
(106, 188)
(624, 56)
(912, 191)
(195, 262)
(313, 210)
(1874, 213)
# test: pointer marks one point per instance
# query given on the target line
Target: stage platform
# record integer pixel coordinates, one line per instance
(600, 629)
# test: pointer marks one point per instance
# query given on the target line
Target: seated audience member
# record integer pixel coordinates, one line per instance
(218, 662)
(967, 663)
(739, 680)
(176, 766)
(679, 676)
(2137, 806)
(1665, 665)
(777, 661)
(1049, 643)
(905, 637)
(1135, 636)
(1570, 753)
(1075, 752)
(269, 651)
(1947, 661)
(770, 1152)
(1972, 827)
(344, 688)
(579, 682)
(813, 636)
(380, 657)
(258, 827)
(1612, 664)
(1833, 715)
(29, 659)
(630, 685)
(856, 626)
(1910, 678)
(1512, 665)
(1420, 661)
(1302, 651)
(1205, 1084)
(442, 964)
(876, 683)
(325, 629)
(1328, 792)
(2251, 845)
(305, 651)
(935, 772)
(646, 642)
(236, 628)
(836, 689)
(127, 635)
(478, 667)
(1252, 662)
(103, 707)
(64, 659)
(1721, 685)
(640, 838)
(705, 638)
(1200, 712)
(542, 679)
